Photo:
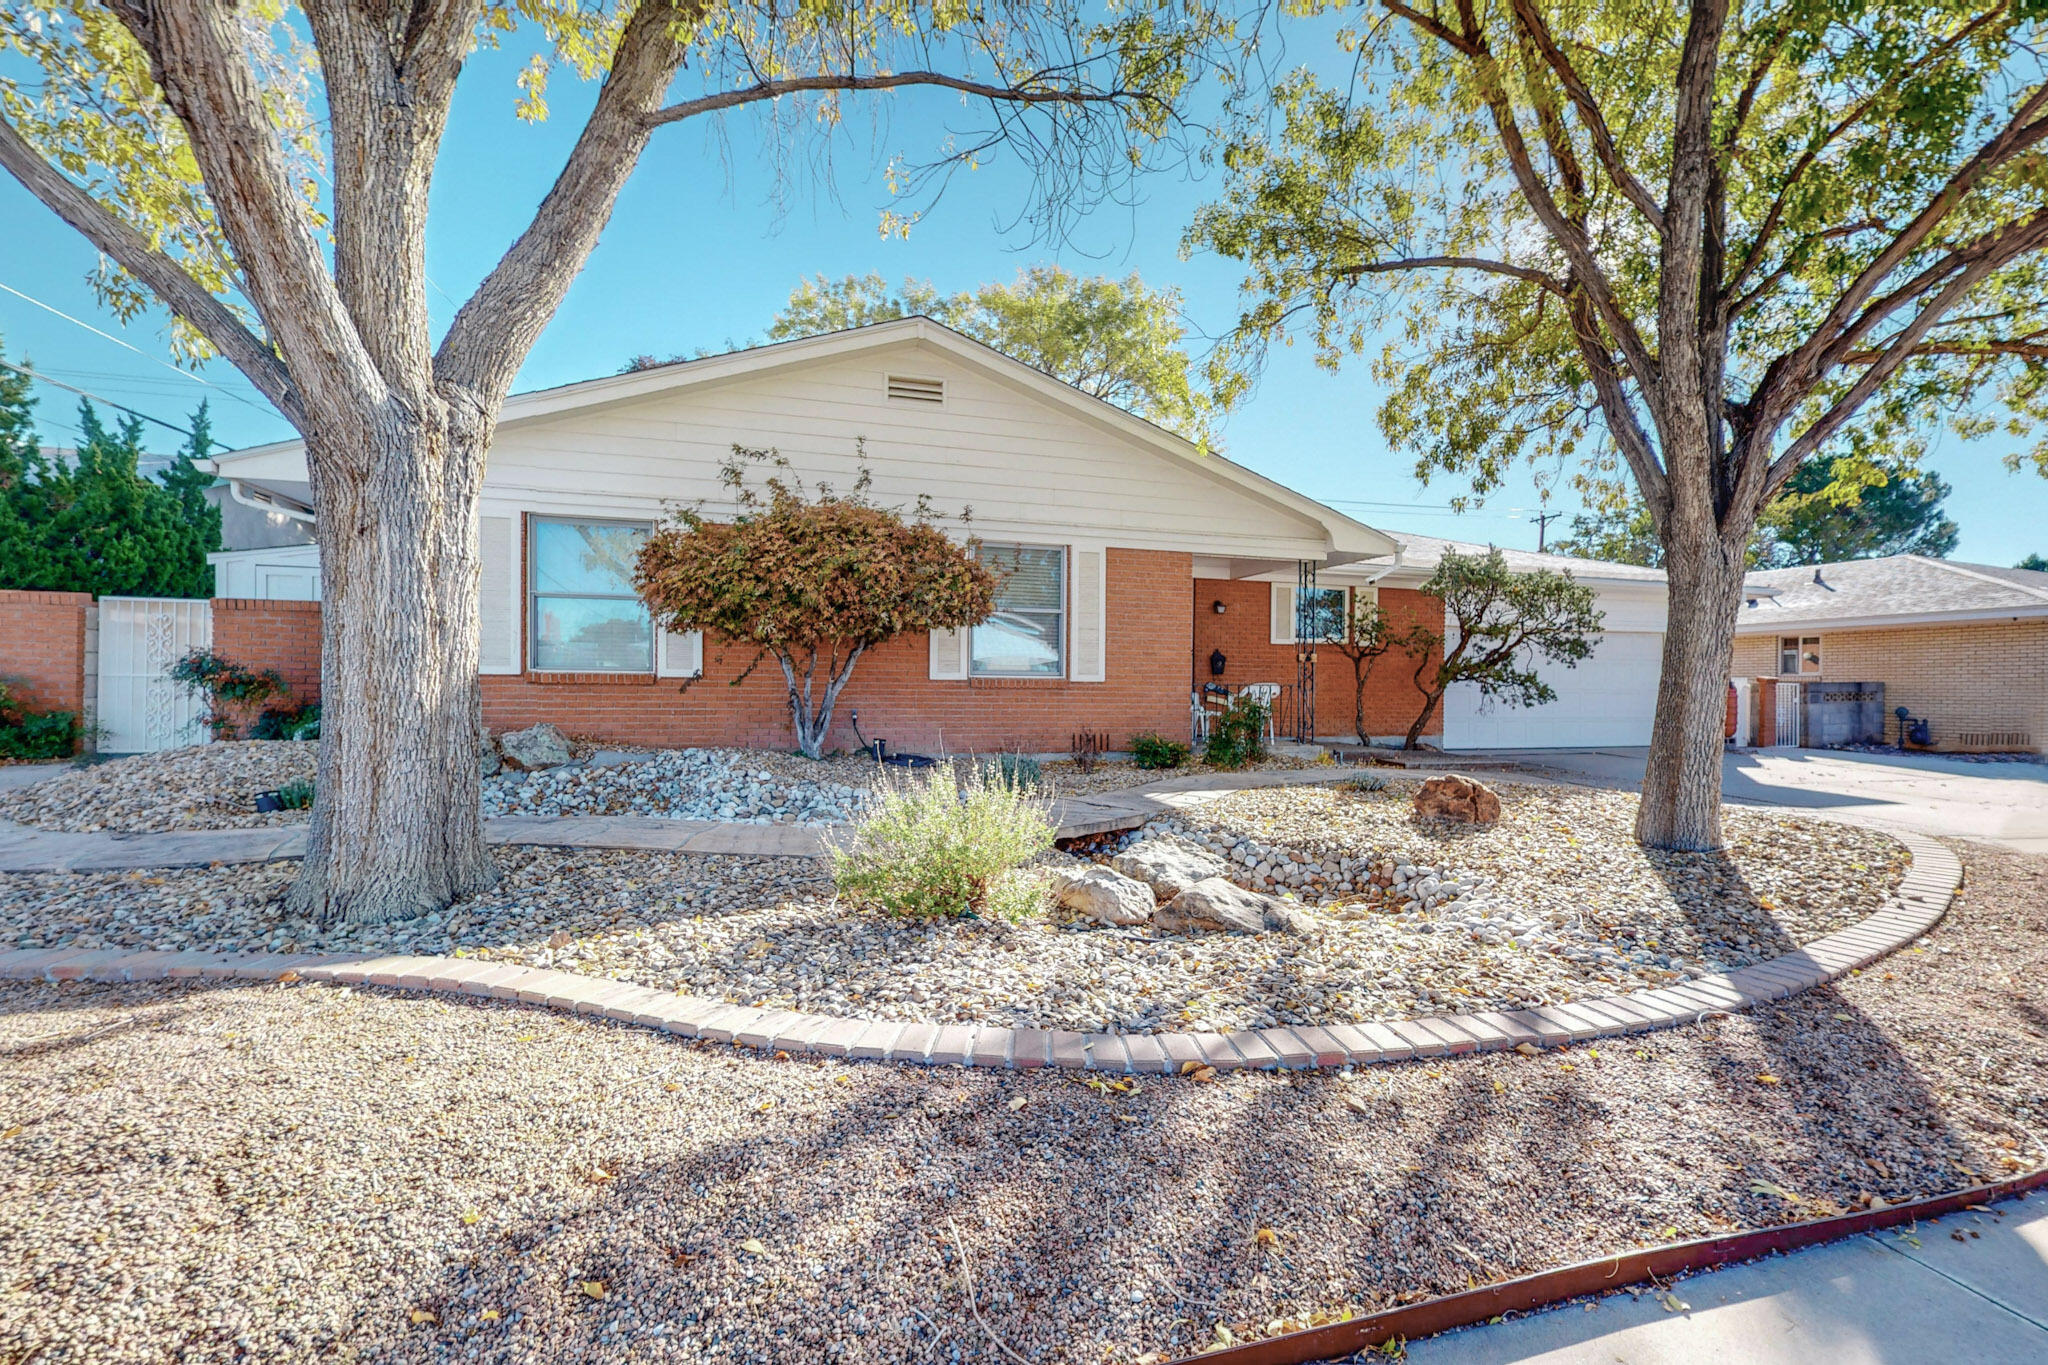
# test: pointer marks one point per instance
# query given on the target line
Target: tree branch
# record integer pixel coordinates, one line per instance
(1588, 108)
(164, 277)
(794, 85)
(494, 330)
(1521, 272)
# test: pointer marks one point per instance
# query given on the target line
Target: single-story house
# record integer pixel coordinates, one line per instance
(1962, 646)
(1139, 567)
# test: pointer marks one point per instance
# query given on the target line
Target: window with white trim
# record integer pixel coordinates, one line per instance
(582, 613)
(1798, 654)
(1329, 616)
(1026, 637)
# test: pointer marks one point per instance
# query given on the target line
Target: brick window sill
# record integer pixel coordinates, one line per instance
(1000, 684)
(539, 679)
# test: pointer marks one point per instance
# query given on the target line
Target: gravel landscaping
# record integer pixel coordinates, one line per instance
(305, 1172)
(1555, 902)
(214, 786)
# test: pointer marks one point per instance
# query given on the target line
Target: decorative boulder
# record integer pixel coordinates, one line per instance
(1107, 897)
(489, 762)
(540, 746)
(1217, 904)
(1452, 797)
(1168, 866)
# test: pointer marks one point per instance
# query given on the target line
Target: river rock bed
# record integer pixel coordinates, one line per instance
(202, 786)
(1555, 903)
(685, 784)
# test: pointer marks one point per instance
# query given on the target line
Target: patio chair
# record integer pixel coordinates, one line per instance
(1267, 694)
(1198, 719)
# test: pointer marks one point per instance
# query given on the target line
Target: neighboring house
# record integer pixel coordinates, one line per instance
(1139, 567)
(1964, 646)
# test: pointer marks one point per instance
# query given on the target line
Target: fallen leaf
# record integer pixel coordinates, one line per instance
(1205, 1075)
(286, 978)
(1499, 1089)
(671, 1086)
(1016, 1104)
(1670, 1302)
(471, 1217)
(1266, 1237)
(1767, 1078)
(1528, 1049)
(489, 1315)
(752, 1246)
(593, 1288)
(1777, 1191)
(13, 1132)
(1358, 1102)
(421, 1316)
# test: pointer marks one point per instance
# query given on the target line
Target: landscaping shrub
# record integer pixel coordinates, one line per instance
(231, 691)
(1364, 784)
(1237, 735)
(935, 845)
(1014, 770)
(35, 734)
(296, 794)
(288, 722)
(1157, 751)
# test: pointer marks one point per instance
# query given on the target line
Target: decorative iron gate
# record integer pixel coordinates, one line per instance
(140, 709)
(1785, 716)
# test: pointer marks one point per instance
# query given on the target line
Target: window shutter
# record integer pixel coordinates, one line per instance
(950, 653)
(498, 595)
(1283, 614)
(679, 654)
(1087, 650)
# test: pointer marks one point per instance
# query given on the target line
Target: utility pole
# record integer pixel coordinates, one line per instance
(1543, 520)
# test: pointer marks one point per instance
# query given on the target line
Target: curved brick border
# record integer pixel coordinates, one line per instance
(1924, 896)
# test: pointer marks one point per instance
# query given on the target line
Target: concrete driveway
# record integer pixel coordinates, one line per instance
(2001, 803)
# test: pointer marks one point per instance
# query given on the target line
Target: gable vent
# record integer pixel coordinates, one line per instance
(903, 389)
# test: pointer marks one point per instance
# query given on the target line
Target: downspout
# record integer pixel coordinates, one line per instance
(264, 502)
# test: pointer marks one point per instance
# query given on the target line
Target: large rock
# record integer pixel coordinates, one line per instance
(1168, 866)
(539, 746)
(1107, 897)
(1452, 797)
(1217, 904)
(489, 762)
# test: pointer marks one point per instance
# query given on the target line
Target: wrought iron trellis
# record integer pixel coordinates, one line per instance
(1308, 626)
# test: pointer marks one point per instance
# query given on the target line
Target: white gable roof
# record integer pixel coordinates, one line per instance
(1059, 456)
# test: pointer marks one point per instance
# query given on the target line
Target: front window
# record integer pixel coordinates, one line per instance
(1322, 619)
(585, 616)
(1026, 638)
(1798, 654)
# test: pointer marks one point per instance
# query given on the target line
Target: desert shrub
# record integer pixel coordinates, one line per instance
(1157, 751)
(231, 691)
(935, 845)
(288, 722)
(35, 734)
(1015, 770)
(1364, 784)
(1237, 735)
(296, 794)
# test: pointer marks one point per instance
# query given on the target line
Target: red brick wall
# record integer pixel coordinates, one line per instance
(1244, 633)
(280, 635)
(1145, 688)
(42, 648)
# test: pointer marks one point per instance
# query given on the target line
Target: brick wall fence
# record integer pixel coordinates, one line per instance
(43, 648)
(1244, 632)
(1977, 678)
(281, 635)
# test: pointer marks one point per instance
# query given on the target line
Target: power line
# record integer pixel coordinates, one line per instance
(1543, 520)
(126, 345)
(87, 393)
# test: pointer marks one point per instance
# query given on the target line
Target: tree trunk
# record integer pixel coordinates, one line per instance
(396, 828)
(814, 725)
(1681, 804)
(1414, 740)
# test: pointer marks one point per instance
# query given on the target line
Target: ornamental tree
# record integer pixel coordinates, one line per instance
(1497, 624)
(263, 171)
(1700, 242)
(1368, 638)
(812, 582)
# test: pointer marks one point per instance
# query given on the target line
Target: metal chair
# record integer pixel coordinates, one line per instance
(1198, 719)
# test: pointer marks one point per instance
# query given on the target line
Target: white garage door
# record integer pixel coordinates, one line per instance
(1610, 698)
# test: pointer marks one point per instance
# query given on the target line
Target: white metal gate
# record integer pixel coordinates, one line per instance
(140, 709)
(1786, 716)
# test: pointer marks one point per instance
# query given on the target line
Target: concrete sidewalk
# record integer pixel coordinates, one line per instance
(25, 849)
(1911, 1294)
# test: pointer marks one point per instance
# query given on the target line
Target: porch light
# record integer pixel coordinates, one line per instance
(1216, 607)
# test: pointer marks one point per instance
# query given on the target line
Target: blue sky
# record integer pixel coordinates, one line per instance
(701, 254)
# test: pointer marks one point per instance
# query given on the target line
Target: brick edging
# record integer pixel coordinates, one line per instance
(1923, 898)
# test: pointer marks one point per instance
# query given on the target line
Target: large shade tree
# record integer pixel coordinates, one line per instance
(263, 172)
(1703, 243)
